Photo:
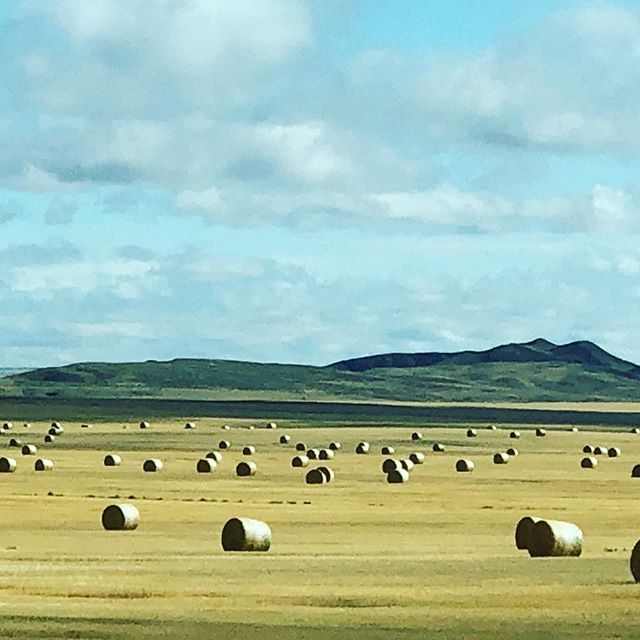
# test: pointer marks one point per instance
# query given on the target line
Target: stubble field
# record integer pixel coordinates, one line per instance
(356, 558)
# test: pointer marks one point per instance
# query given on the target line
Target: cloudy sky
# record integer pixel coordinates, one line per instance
(304, 181)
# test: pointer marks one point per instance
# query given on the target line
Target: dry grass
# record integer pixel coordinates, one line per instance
(356, 558)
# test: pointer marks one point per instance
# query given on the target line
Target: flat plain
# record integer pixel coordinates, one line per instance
(356, 558)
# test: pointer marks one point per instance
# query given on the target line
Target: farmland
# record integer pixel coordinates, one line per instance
(356, 558)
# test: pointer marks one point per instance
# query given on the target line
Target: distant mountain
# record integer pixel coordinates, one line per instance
(520, 372)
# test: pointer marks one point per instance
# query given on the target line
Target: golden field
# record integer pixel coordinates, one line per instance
(356, 558)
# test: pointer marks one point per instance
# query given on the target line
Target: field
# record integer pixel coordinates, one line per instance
(356, 558)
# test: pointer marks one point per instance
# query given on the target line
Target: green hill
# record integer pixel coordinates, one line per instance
(532, 371)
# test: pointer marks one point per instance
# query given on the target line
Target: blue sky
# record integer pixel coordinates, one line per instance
(300, 181)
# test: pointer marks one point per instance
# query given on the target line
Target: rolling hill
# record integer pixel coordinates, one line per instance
(521, 372)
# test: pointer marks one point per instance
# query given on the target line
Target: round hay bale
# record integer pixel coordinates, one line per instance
(7, 425)
(553, 538)
(48, 439)
(206, 465)
(249, 450)
(43, 464)
(214, 455)
(335, 446)
(7, 465)
(120, 517)
(417, 457)
(313, 454)
(225, 427)
(362, 448)
(272, 425)
(245, 469)
(589, 462)
(245, 534)
(492, 427)
(599, 451)
(398, 476)
(285, 439)
(512, 451)
(465, 466)
(635, 472)
(301, 446)
(315, 476)
(472, 433)
(300, 461)
(14, 442)
(514, 435)
(54, 432)
(416, 435)
(328, 473)
(144, 425)
(29, 450)
(614, 452)
(224, 444)
(85, 426)
(540, 433)
(437, 447)
(635, 430)
(56, 425)
(390, 465)
(523, 530)
(574, 429)
(407, 465)
(587, 448)
(152, 465)
(26, 425)
(634, 562)
(501, 458)
(326, 454)
(112, 460)
(190, 425)
(387, 451)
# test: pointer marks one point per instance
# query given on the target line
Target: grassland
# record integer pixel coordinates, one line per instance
(354, 559)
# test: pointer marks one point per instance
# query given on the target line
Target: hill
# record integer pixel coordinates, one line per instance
(521, 372)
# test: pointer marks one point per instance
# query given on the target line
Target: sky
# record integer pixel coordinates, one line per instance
(310, 180)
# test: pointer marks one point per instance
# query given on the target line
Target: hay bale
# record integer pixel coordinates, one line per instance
(326, 454)
(249, 450)
(48, 439)
(245, 469)
(417, 457)
(390, 465)
(112, 460)
(55, 432)
(120, 517)
(7, 426)
(599, 451)
(500, 458)
(29, 450)
(224, 444)
(407, 465)
(635, 472)
(587, 448)
(589, 462)
(313, 454)
(362, 448)
(635, 430)
(301, 446)
(472, 433)
(437, 447)
(634, 562)
(272, 425)
(43, 464)
(335, 446)
(492, 427)
(56, 425)
(245, 534)
(152, 465)
(523, 530)
(540, 433)
(214, 455)
(554, 538)
(328, 473)
(614, 452)
(190, 425)
(574, 429)
(251, 427)
(7, 465)
(514, 435)
(387, 451)
(225, 427)
(416, 435)
(26, 425)
(85, 426)
(465, 466)
(14, 442)
(512, 451)
(206, 465)
(285, 439)
(299, 461)
(398, 476)
(144, 425)
(315, 476)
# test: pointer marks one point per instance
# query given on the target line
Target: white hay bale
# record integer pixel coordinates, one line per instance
(326, 454)
(56, 425)
(407, 465)
(501, 458)
(14, 442)
(328, 473)
(417, 457)
(465, 466)
(120, 517)
(26, 425)
(272, 425)
(589, 462)
(190, 425)
(251, 427)
(152, 465)
(29, 450)
(112, 460)
(387, 451)
(553, 538)
(224, 444)
(574, 429)
(634, 562)
(523, 530)
(285, 439)
(398, 476)
(513, 451)
(437, 447)
(214, 455)
(416, 435)
(43, 464)
(492, 427)
(7, 426)
(301, 446)
(144, 424)
(390, 465)
(55, 431)
(246, 534)
(313, 454)
(300, 461)
(335, 446)
(225, 427)
(472, 433)
(7, 465)
(249, 450)
(362, 448)
(599, 451)
(514, 435)
(635, 430)
(635, 472)
(85, 426)
(540, 433)
(245, 469)
(48, 439)
(206, 465)
(614, 452)
(315, 476)
(587, 448)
